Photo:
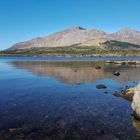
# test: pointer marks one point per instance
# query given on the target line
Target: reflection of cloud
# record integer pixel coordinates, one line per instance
(78, 72)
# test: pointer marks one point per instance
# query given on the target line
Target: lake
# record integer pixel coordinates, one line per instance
(56, 98)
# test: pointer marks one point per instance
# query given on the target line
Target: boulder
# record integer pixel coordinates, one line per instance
(128, 94)
(101, 86)
(116, 73)
(136, 102)
(133, 95)
(132, 63)
(98, 67)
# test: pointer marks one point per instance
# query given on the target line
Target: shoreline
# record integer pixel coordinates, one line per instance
(69, 55)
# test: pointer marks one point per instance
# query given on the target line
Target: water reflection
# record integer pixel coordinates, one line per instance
(34, 106)
(80, 71)
(83, 72)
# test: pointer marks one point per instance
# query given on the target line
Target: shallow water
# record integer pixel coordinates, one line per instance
(46, 98)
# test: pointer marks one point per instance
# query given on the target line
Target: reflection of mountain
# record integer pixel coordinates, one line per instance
(79, 72)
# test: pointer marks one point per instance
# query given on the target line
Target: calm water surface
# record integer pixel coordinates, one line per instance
(44, 98)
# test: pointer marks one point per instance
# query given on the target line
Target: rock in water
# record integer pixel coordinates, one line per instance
(116, 73)
(101, 86)
(129, 93)
(98, 67)
(136, 102)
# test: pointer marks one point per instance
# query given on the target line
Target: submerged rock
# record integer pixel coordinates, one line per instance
(101, 86)
(117, 94)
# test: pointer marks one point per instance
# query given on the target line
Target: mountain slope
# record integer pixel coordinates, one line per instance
(81, 37)
(67, 37)
(113, 44)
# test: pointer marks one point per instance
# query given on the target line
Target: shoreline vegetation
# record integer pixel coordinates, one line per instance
(71, 51)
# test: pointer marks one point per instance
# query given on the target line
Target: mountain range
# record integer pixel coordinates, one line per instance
(79, 36)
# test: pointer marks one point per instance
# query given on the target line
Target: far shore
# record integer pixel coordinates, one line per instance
(71, 55)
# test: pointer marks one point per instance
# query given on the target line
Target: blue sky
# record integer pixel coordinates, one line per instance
(22, 20)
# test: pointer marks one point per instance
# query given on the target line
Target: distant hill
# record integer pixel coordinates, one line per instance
(127, 35)
(78, 36)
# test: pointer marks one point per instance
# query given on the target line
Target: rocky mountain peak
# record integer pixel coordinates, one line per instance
(127, 31)
(78, 28)
(72, 29)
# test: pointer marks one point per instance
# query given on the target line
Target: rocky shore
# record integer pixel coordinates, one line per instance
(124, 62)
(71, 55)
(132, 95)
